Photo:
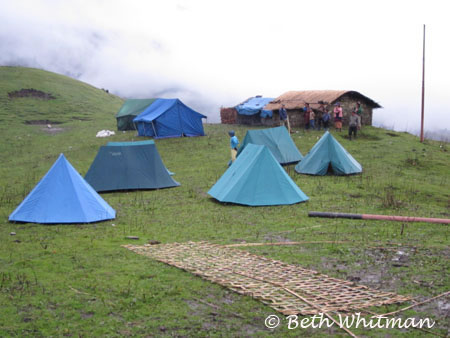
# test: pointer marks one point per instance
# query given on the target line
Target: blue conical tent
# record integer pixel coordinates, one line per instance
(62, 196)
(277, 140)
(256, 178)
(325, 153)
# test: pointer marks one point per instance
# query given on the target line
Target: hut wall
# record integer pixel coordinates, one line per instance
(347, 104)
(295, 118)
(257, 120)
(251, 120)
(228, 115)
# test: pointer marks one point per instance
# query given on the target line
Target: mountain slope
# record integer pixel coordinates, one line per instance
(43, 114)
(28, 94)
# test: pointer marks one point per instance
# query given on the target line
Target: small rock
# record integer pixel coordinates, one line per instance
(113, 225)
(153, 242)
(18, 241)
(12, 233)
(132, 237)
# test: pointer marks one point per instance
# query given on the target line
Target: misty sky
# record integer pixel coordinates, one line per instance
(218, 53)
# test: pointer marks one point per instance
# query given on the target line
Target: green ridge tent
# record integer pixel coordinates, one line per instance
(129, 166)
(129, 110)
(257, 179)
(277, 140)
(326, 153)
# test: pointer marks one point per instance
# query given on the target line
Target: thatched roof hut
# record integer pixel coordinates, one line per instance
(297, 99)
(294, 102)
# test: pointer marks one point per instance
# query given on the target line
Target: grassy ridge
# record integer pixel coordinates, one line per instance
(77, 280)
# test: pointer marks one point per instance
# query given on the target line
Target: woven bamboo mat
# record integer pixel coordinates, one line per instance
(287, 288)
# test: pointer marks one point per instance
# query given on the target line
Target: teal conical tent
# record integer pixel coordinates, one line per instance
(326, 153)
(257, 179)
(277, 140)
(62, 196)
(129, 166)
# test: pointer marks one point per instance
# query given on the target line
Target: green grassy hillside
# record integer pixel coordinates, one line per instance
(77, 280)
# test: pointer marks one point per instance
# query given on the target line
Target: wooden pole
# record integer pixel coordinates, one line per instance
(379, 217)
(423, 86)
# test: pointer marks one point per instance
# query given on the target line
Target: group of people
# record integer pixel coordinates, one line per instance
(316, 120)
(321, 118)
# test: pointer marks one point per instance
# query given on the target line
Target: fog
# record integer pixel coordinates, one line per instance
(212, 54)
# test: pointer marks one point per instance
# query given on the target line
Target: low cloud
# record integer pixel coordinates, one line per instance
(212, 55)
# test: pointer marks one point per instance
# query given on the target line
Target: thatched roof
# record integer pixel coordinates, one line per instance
(297, 99)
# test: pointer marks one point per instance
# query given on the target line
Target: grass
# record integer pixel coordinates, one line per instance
(76, 280)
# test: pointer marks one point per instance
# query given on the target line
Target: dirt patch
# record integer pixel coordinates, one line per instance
(413, 161)
(87, 315)
(392, 134)
(33, 93)
(216, 316)
(362, 136)
(42, 122)
(47, 126)
(385, 268)
(52, 130)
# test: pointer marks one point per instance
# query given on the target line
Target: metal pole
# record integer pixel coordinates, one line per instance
(423, 86)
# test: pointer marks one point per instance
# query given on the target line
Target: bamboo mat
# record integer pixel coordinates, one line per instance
(287, 288)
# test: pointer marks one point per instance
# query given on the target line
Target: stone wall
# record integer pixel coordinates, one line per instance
(250, 120)
(348, 104)
(296, 116)
(295, 119)
(228, 115)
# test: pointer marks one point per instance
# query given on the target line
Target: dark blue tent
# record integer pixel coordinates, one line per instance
(169, 118)
(62, 196)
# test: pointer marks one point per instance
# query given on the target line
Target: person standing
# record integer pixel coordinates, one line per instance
(338, 116)
(326, 120)
(234, 142)
(284, 118)
(319, 115)
(353, 124)
(306, 112)
(312, 118)
(359, 112)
